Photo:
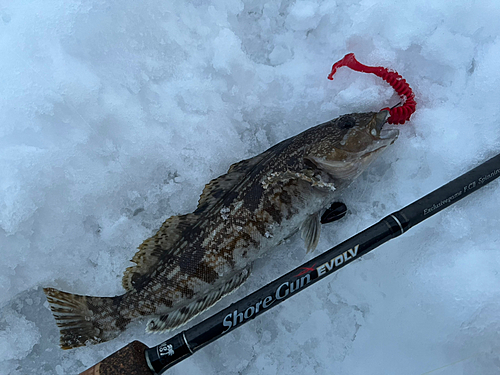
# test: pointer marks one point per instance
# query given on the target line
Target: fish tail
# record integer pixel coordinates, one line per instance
(85, 319)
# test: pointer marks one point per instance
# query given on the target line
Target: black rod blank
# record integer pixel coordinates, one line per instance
(182, 345)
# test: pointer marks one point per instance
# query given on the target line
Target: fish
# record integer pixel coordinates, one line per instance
(195, 259)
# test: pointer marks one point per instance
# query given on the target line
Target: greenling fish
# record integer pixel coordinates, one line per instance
(196, 259)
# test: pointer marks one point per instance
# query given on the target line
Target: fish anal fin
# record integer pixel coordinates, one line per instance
(187, 312)
(161, 244)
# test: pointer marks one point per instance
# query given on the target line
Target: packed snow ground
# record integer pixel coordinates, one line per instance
(113, 116)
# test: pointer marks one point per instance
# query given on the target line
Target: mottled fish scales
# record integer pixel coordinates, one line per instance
(196, 259)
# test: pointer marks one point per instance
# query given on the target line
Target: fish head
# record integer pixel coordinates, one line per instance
(350, 143)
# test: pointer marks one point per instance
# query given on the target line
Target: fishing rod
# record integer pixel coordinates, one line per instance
(170, 352)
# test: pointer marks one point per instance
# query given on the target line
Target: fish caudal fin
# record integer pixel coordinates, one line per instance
(84, 319)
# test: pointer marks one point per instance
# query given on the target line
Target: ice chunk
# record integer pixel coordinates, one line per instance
(18, 335)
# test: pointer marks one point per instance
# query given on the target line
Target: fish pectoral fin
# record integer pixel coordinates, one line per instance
(182, 315)
(161, 244)
(310, 231)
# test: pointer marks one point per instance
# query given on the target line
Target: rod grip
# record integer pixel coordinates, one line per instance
(129, 360)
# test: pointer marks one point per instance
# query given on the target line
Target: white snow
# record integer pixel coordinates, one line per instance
(113, 116)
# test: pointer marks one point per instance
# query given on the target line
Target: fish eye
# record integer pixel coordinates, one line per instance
(346, 122)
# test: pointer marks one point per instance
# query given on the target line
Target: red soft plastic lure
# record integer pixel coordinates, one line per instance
(398, 115)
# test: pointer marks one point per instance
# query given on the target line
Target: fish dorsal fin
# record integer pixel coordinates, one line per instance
(162, 242)
(154, 247)
(222, 185)
(184, 314)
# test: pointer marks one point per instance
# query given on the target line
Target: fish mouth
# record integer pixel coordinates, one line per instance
(385, 138)
(380, 119)
(378, 128)
(389, 134)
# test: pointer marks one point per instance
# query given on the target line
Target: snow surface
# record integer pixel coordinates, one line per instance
(114, 114)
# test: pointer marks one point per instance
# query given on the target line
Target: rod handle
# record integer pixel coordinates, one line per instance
(129, 360)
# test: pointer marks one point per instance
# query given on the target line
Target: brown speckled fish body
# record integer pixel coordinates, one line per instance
(196, 259)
